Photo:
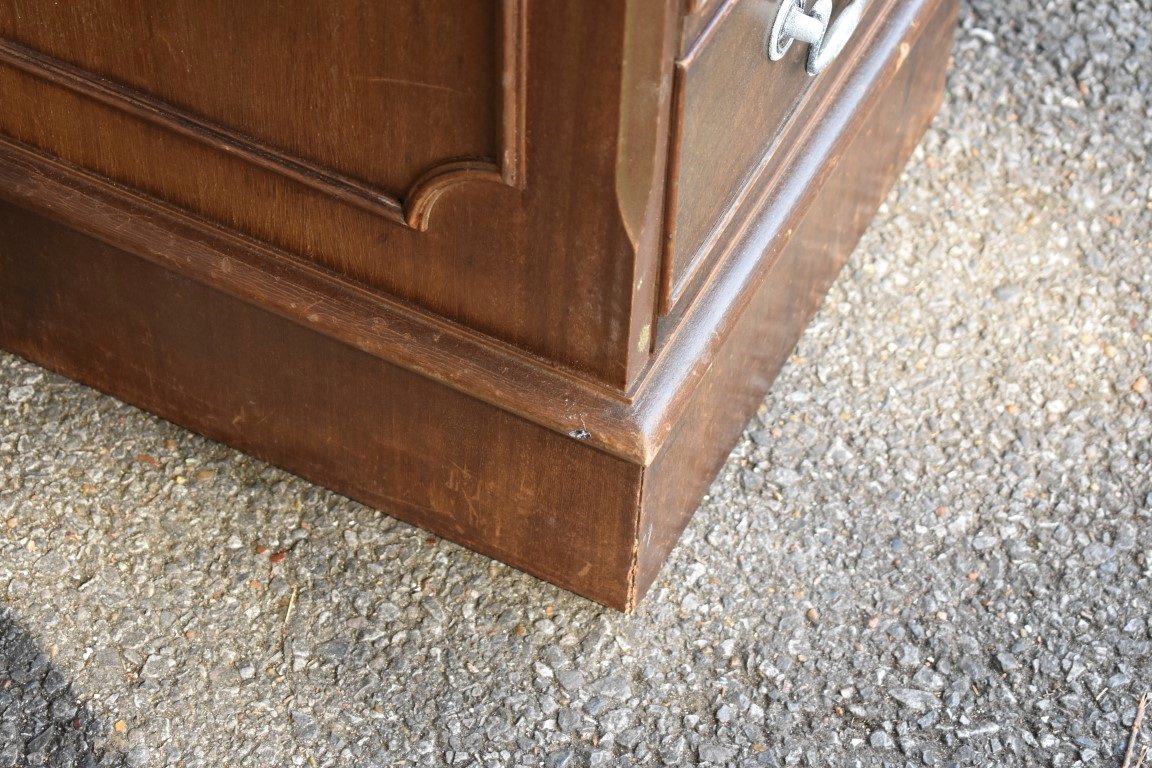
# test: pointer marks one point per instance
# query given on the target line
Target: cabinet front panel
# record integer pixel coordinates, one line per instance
(379, 92)
(464, 156)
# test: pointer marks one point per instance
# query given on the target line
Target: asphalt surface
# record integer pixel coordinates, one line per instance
(932, 547)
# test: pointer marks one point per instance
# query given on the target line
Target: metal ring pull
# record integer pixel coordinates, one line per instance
(826, 39)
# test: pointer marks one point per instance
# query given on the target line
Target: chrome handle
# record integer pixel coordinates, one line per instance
(826, 39)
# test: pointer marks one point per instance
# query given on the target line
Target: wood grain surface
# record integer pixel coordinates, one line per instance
(404, 86)
(319, 131)
(582, 478)
(419, 450)
(733, 110)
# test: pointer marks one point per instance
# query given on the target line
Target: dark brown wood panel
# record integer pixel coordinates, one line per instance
(306, 295)
(734, 107)
(422, 452)
(562, 268)
(744, 366)
(419, 342)
(380, 92)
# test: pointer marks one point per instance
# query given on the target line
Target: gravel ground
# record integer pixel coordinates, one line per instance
(932, 547)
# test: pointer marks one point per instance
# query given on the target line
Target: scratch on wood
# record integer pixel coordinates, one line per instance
(410, 83)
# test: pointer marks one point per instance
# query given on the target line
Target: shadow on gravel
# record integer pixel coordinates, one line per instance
(41, 722)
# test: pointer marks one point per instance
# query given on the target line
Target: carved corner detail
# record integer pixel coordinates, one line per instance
(508, 169)
(424, 194)
(412, 208)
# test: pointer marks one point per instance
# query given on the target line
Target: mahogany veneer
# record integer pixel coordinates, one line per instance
(515, 272)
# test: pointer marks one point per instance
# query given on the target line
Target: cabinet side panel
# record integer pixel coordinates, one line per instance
(468, 471)
(782, 305)
(737, 108)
